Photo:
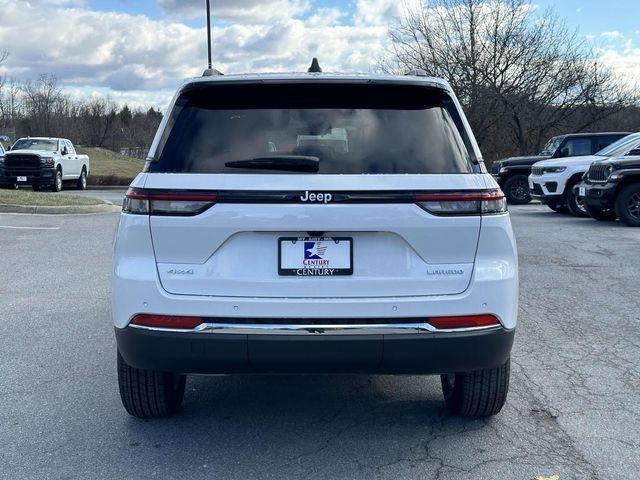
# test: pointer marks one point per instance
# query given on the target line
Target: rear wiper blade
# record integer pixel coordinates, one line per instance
(291, 163)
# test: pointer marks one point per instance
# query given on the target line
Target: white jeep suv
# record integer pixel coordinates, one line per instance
(552, 181)
(309, 223)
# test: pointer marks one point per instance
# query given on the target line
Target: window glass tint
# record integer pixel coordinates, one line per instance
(350, 129)
(578, 146)
(621, 147)
(551, 146)
(601, 141)
(36, 144)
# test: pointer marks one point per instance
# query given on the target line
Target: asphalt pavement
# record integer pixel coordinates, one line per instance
(114, 195)
(573, 407)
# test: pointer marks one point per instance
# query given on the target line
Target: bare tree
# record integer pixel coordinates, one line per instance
(40, 100)
(517, 71)
(98, 117)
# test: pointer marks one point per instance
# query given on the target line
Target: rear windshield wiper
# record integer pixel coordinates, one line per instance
(291, 163)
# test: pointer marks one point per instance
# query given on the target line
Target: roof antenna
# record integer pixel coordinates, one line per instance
(210, 71)
(315, 66)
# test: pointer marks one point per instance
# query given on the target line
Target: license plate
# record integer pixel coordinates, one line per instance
(582, 191)
(22, 179)
(315, 257)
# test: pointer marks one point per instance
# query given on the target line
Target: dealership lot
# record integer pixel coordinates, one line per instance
(572, 409)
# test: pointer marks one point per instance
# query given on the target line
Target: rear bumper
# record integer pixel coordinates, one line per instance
(397, 353)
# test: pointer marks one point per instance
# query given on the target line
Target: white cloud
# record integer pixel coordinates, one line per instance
(256, 11)
(625, 63)
(614, 34)
(382, 12)
(132, 53)
(137, 59)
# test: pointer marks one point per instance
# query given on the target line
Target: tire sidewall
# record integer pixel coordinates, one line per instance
(508, 185)
(572, 204)
(57, 182)
(82, 181)
(621, 205)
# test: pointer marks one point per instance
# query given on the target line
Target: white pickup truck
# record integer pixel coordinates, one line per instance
(44, 163)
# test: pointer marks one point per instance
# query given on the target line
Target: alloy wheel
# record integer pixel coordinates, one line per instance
(633, 206)
(519, 189)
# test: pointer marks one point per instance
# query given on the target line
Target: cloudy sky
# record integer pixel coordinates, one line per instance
(137, 51)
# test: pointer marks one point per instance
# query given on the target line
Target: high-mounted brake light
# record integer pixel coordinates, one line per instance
(468, 321)
(166, 321)
(156, 202)
(463, 203)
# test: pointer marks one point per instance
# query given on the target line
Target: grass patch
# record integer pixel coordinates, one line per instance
(44, 199)
(111, 168)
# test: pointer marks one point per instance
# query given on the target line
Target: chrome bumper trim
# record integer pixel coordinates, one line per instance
(296, 329)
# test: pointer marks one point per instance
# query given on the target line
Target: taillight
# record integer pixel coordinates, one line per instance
(156, 202)
(166, 321)
(467, 321)
(463, 203)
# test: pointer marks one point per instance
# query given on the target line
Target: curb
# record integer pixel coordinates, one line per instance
(62, 210)
(107, 187)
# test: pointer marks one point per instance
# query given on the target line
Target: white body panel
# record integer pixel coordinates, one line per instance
(487, 285)
(574, 166)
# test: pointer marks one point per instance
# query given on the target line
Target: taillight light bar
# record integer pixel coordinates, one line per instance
(155, 202)
(166, 321)
(463, 203)
(466, 321)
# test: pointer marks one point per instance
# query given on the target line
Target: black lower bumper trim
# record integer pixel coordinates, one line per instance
(43, 176)
(213, 353)
(549, 199)
(601, 196)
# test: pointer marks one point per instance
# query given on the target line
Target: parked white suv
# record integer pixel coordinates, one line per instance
(552, 181)
(314, 223)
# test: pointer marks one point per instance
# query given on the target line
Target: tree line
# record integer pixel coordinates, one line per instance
(520, 72)
(40, 108)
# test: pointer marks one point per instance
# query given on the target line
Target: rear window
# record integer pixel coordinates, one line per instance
(343, 129)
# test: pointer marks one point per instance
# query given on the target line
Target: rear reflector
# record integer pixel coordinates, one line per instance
(154, 202)
(463, 203)
(446, 323)
(166, 321)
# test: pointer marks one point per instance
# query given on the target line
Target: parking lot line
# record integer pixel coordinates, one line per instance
(10, 227)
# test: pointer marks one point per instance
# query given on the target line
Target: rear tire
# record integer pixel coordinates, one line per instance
(480, 393)
(576, 204)
(81, 183)
(148, 393)
(516, 189)
(601, 215)
(628, 205)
